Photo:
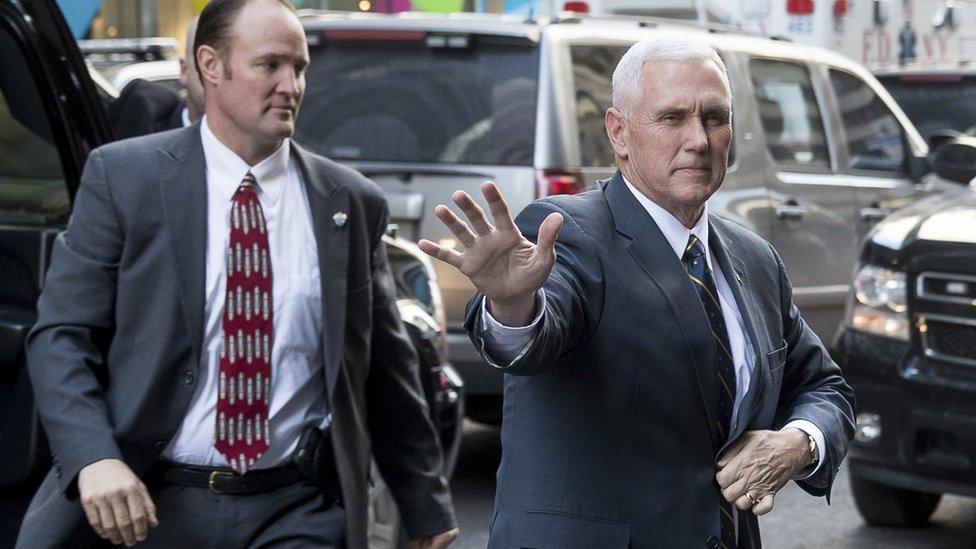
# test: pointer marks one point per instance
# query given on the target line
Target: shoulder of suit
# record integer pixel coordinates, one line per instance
(133, 149)
(339, 174)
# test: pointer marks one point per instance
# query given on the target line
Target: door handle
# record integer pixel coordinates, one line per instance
(791, 210)
(872, 214)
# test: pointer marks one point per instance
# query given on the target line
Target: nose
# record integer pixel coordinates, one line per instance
(290, 83)
(696, 138)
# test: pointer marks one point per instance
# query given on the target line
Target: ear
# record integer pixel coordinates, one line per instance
(211, 65)
(184, 67)
(617, 131)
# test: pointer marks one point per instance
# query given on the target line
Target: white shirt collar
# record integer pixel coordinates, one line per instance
(185, 117)
(228, 169)
(674, 231)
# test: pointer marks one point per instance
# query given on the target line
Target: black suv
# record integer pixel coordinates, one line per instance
(51, 118)
(908, 347)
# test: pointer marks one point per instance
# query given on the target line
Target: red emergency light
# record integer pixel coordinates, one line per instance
(841, 7)
(799, 7)
(575, 6)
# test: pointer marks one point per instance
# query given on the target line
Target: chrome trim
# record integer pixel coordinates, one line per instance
(929, 352)
(922, 294)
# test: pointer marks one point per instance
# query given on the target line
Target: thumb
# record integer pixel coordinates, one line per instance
(548, 230)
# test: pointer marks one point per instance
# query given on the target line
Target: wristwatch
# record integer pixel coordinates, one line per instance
(814, 453)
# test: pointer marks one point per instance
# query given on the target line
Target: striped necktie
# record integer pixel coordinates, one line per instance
(244, 394)
(701, 277)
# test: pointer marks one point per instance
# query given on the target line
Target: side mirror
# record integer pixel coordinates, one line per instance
(941, 137)
(956, 160)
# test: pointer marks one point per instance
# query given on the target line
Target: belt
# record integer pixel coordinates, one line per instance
(223, 480)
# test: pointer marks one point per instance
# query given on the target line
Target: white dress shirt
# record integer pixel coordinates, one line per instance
(298, 392)
(506, 342)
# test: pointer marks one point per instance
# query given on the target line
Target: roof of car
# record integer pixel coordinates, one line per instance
(964, 68)
(568, 27)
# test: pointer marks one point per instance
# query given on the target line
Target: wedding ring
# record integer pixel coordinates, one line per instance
(752, 500)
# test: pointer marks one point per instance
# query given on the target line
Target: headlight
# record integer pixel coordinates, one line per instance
(880, 303)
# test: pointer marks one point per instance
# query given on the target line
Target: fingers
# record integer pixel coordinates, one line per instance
(499, 208)
(447, 255)
(142, 511)
(548, 231)
(123, 522)
(744, 503)
(457, 227)
(107, 520)
(734, 450)
(472, 211)
(91, 513)
(735, 493)
(137, 514)
(149, 506)
(764, 506)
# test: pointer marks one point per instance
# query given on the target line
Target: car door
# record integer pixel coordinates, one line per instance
(812, 227)
(875, 150)
(49, 121)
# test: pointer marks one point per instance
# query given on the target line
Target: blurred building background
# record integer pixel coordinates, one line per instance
(873, 32)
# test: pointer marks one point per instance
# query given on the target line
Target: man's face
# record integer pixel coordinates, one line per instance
(263, 78)
(676, 141)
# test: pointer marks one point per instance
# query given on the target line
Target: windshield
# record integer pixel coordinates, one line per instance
(405, 102)
(937, 102)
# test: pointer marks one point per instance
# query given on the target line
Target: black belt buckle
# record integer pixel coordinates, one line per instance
(212, 480)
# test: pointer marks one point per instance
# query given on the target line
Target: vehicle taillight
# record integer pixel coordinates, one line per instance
(550, 182)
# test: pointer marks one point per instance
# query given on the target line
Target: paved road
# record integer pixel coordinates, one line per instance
(797, 522)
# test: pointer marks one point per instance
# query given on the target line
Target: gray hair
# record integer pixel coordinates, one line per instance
(628, 77)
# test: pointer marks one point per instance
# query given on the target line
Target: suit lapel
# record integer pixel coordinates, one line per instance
(184, 200)
(656, 257)
(741, 291)
(326, 199)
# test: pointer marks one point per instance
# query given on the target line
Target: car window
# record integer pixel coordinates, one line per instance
(592, 69)
(405, 101)
(936, 101)
(790, 115)
(872, 133)
(32, 184)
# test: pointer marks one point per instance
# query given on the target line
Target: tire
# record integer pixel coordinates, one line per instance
(882, 505)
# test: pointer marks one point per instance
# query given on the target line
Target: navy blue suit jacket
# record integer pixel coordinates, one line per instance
(609, 435)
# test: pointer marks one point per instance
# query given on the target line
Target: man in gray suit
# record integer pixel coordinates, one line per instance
(663, 385)
(217, 351)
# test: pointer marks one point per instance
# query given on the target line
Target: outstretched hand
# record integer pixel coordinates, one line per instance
(500, 262)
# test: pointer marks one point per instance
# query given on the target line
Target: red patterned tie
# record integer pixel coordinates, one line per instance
(242, 434)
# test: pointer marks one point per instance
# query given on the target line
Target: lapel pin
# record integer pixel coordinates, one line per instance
(339, 219)
(738, 279)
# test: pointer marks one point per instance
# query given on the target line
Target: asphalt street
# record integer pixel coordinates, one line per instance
(797, 522)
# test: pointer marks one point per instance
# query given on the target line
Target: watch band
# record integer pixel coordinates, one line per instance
(814, 453)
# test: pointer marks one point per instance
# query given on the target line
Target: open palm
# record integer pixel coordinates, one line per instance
(499, 261)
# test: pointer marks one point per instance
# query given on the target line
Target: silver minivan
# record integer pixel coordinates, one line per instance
(427, 104)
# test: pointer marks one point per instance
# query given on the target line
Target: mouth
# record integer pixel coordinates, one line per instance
(694, 169)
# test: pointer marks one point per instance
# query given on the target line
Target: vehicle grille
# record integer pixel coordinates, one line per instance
(952, 339)
(952, 288)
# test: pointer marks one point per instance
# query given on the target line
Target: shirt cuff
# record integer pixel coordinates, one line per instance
(504, 343)
(818, 438)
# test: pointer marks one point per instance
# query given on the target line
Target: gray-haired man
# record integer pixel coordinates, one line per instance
(664, 386)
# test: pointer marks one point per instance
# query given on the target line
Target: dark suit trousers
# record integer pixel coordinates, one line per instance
(291, 517)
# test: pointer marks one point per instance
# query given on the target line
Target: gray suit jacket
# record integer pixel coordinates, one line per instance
(114, 355)
(609, 436)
